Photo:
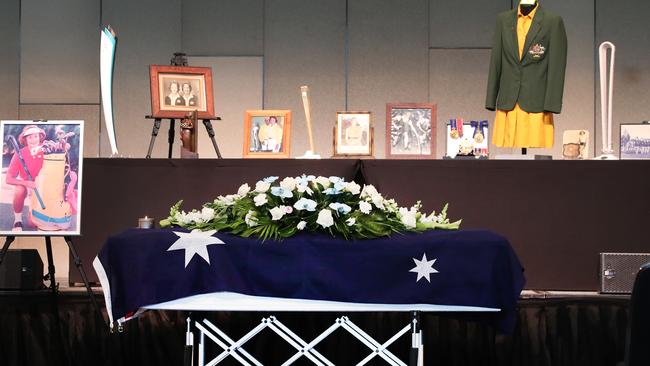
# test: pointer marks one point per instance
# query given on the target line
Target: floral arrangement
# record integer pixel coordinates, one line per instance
(276, 209)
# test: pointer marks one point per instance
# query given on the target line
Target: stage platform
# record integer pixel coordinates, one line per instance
(553, 329)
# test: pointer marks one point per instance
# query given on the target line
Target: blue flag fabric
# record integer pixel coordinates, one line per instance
(471, 268)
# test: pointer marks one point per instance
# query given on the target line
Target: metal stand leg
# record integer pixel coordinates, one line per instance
(56, 323)
(77, 263)
(5, 247)
(208, 127)
(189, 343)
(170, 137)
(416, 354)
(154, 134)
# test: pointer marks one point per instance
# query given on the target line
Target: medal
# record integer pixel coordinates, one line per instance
(453, 133)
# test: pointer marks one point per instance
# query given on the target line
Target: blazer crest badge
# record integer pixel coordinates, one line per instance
(537, 50)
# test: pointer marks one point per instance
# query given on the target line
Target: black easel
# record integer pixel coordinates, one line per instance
(51, 270)
(207, 122)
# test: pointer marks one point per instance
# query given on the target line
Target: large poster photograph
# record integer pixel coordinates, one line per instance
(40, 180)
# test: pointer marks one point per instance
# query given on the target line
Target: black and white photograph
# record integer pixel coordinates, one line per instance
(410, 131)
(182, 92)
(353, 134)
(178, 90)
(635, 141)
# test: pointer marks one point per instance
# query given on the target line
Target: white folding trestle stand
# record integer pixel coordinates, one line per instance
(209, 331)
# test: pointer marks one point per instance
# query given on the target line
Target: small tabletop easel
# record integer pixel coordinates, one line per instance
(51, 270)
(207, 122)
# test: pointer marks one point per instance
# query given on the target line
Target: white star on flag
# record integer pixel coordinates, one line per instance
(424, 268)
(195, 242)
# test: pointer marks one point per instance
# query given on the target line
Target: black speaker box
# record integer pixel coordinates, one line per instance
(21, 269)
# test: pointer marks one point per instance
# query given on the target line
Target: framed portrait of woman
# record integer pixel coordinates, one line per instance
(179, 90)
(410, 131)
(353, 134)
(267, 133)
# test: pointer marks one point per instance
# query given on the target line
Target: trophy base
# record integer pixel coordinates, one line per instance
(606, 157)
(308, 155)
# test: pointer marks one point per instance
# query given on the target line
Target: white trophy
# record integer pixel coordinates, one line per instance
(606, 92)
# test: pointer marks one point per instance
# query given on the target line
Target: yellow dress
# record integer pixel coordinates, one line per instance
(518, 128)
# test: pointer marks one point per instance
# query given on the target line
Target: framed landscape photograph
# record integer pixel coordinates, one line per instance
(635, 141)
(177, 90)
(353, 134)
(410, 130)
(40, 183)
(267, 133)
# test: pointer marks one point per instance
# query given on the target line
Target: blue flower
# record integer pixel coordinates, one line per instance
(304, 179)
(332, 191)
(305, 204)
(281, 192)
(270, 179)
(340, 207)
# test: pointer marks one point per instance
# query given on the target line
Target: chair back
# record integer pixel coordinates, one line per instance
(637, 352)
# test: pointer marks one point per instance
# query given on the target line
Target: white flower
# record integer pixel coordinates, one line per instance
(378, 201)
(325, 182)
(262, 187)
(353, 188)
(260, 199)
(228, 200)
(288, 209)
(368, 190)
(288, 183)
(335, 179)
(301, 225)
(277, 213)
(250, 218)
(182, 218)
(302, 188)
(408, 216)
(207, 214)
(305, 204)
(325, 218)
(340, 207)
(350, 221)
(243, 189)
(365, 207)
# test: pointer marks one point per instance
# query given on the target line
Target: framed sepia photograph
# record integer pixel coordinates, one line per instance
(353, 134)
(178, 90)
(267, 133)
(40, 183)
(635, 141)
(410, 130)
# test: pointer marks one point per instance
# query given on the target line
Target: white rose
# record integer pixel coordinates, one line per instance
(207, 214)
(288, 183)
(365, 207)
(250, 218)
(369, 190)
(325, 182)
(277, 213)
(353, 188)
(243, 189)
(378, 201)
(325, 218)
(262, 187)
(408, 216)
(350, 221)
(260, 199)
(301, 225)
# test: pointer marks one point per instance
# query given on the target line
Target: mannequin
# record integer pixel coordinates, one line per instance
(527, 6)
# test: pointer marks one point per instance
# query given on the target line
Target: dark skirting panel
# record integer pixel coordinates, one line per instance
(558, 215)
(550, 332)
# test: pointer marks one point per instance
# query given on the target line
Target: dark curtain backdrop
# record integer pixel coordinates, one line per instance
(557, 332)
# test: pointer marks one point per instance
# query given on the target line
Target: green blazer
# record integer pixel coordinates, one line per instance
(536, 81)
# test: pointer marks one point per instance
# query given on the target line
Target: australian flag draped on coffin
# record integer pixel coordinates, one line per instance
(140, 268)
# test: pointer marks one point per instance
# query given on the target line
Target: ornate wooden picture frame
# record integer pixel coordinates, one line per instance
(179, 90)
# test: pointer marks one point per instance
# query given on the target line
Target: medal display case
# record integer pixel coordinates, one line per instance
(467, 139)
